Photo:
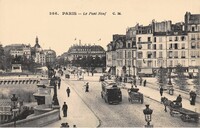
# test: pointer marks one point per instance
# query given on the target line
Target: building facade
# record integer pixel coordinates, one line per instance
(20, 50)
(159, 44)
(50, 56)
(80, 51)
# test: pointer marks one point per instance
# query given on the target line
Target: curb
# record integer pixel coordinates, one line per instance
(186, 93)
(69, 83)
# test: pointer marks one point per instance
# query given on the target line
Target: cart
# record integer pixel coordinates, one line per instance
(135, 96)
(185, 114)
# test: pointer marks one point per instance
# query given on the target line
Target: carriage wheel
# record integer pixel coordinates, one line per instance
(171, 113)
(142, 100)
(105, 100)
(132, 101)
(183, 118)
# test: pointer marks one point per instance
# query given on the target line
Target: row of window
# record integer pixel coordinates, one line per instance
(160, 39)
(170, 46)
(155, 63)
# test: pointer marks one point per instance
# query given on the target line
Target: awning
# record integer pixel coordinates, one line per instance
(146, 71)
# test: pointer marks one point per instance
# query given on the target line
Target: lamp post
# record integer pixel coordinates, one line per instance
(161, 75)
(147, 113)
(170, 71)
(55, 98)
(14, 106)
(129, 70)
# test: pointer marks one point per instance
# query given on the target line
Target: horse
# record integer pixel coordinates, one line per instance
(169, 103)
(166, 102)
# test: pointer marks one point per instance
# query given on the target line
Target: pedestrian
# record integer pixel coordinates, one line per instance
(59, 82)
(140, 81)
(161, 91)
(135, 82)
(87, 87)
(145, 83)
(68, 91)
(192, 97)
(64, 109)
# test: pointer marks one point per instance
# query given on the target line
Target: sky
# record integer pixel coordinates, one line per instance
(22, 20)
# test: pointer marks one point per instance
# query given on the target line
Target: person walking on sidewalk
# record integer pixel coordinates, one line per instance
(145, 82)
(140, 81)
(59, 82)
(64, 109)
(161, 91)
(192, 97)
(87, 87)
(68, 91)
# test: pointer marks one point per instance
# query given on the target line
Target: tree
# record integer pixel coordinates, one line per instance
(181, 79)
(196, 81)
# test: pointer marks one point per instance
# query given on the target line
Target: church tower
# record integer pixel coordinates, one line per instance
(37, 43)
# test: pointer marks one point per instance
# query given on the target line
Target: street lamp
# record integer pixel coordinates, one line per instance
(14, 107)
(55, 98)
(129, 70)
(170, 71)
(147, 113)
(161, 75)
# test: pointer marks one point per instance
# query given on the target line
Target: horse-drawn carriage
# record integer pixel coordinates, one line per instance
(134, 95)
(176, 109)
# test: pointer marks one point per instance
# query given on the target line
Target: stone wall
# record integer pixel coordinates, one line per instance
(37, 121)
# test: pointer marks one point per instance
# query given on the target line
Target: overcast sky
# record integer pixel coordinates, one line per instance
(22, 20)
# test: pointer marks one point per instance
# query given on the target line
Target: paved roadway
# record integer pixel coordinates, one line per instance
(124, 114)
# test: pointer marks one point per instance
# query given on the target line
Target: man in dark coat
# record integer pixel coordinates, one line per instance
(179, 99)
(64, 109)
(59, 82)
(161, 91)
(87, 87)
(68, 91)
(192, 97)
(145, 83)
(140, 81)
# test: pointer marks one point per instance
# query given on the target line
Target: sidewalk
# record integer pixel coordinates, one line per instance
(155, 95)
(78, 113)
(184, 94)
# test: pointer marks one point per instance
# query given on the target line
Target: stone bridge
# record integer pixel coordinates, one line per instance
(20, 80)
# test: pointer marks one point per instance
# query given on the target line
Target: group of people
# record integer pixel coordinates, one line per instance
(65, 107)
(179, 98)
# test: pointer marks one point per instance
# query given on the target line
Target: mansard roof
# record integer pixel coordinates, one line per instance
(86, 47)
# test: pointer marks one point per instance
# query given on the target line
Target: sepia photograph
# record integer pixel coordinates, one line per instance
(100, 63)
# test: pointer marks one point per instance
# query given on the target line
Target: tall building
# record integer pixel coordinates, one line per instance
(192, 26)
(80, 51)
(38, 53)
(50, 56)
(121, 54)
(22, 50)
(157, 44)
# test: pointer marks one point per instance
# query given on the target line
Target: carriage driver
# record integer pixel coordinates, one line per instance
(179, 99)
